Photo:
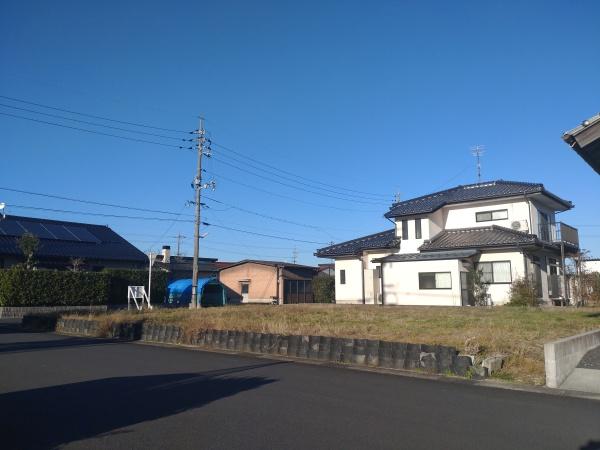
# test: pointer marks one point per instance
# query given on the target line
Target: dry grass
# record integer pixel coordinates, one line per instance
(517, 332)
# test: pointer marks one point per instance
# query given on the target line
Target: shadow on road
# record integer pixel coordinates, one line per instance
(56, 415)
(591, 445)
(28, 346)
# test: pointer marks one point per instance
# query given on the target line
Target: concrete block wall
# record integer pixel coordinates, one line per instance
(562, 356)
(434, 359)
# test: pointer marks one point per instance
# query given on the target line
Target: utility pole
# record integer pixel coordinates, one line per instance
(294, 255)
(179, 238)
(198, 189)
(477, 151)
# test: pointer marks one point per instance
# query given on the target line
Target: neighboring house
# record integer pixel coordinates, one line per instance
(181, 267)
(585, 140)
(255, 281)
(591, 265)
(61, 242)
(506, 229)
(326, 270)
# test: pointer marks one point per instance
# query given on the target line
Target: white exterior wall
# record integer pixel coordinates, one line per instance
(592, 266)
(464, 216)
(401, 283)
(411, 245)
(352, 291)
(500, 291)
(372, 281)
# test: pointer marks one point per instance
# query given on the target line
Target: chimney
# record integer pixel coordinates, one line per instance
(166, 254)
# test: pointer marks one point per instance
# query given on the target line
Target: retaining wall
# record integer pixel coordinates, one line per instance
(361, 352)
(17, 312)
(562, 356)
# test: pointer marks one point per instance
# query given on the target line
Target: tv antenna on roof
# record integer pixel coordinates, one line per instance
(477, 151)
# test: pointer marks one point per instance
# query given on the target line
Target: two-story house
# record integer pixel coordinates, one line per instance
(507, 230)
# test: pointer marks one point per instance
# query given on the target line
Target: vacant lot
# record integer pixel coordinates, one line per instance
(518, 333)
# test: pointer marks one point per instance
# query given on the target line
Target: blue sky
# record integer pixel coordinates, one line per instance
(380, 97)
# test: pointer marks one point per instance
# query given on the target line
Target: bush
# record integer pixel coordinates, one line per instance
(523, 293)
(324, 289)
(19, 287)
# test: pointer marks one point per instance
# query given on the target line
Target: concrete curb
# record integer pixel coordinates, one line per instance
(358, 352)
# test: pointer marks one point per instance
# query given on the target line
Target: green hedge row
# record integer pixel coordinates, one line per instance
(19, 287)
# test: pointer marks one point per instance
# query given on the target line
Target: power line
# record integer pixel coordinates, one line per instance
(90, 202)
(56, 116)
(294, 187)
(162, 219)
(96, 132)
(93, 116)
(262, 234)
(352, 195)
(296, 175)
(276, 194)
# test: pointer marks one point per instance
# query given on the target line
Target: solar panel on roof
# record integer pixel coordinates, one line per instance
(83, 234)
(12, 228)
(60, 232)
(37, 229)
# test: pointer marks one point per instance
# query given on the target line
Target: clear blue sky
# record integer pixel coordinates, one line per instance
(381, 97)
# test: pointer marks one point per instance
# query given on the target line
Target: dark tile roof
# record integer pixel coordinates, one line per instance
(481, 237)
(429, 256)
(585, 140)
(472, 192)
(61, 239)
(381, 240)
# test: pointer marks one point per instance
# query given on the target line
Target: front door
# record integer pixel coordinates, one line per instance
(245, 288)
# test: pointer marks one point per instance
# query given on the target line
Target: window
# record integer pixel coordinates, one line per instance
(486, 216)
(342, 277)
(378, 270)
(495, 272)
(245, 287)
(418, 229)
(435, 280)
(405, 229)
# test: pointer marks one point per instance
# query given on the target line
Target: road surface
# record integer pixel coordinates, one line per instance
(76, 393)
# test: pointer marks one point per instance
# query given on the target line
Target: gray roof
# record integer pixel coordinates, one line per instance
(480, 237)
(472, 192)
(382, 240)
(585, 140)
(271, 263)
(430, 256)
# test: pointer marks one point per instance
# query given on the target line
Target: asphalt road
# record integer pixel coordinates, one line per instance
(58, 391)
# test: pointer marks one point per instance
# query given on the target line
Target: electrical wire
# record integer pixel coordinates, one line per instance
(97, 132)
(56, 116)
(292, 186)
(276, 194)
(262, 234)
(89, 202)
(93, 116)
(295, 175)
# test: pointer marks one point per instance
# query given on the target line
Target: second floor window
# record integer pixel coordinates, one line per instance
(486, 216)
(342, 277)
(418, 233)
(405, 229)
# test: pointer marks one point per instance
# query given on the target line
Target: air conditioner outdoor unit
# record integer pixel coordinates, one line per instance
(520, 225)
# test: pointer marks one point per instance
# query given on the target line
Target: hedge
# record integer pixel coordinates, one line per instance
(19, 287)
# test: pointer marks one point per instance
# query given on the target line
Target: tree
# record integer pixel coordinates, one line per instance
(76, 264)
(478, 287)
(324, 289)
(523, 293)
(29, 243)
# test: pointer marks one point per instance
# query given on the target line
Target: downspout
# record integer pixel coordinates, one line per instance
(362, 272)
(278, 285)
(382, 286)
